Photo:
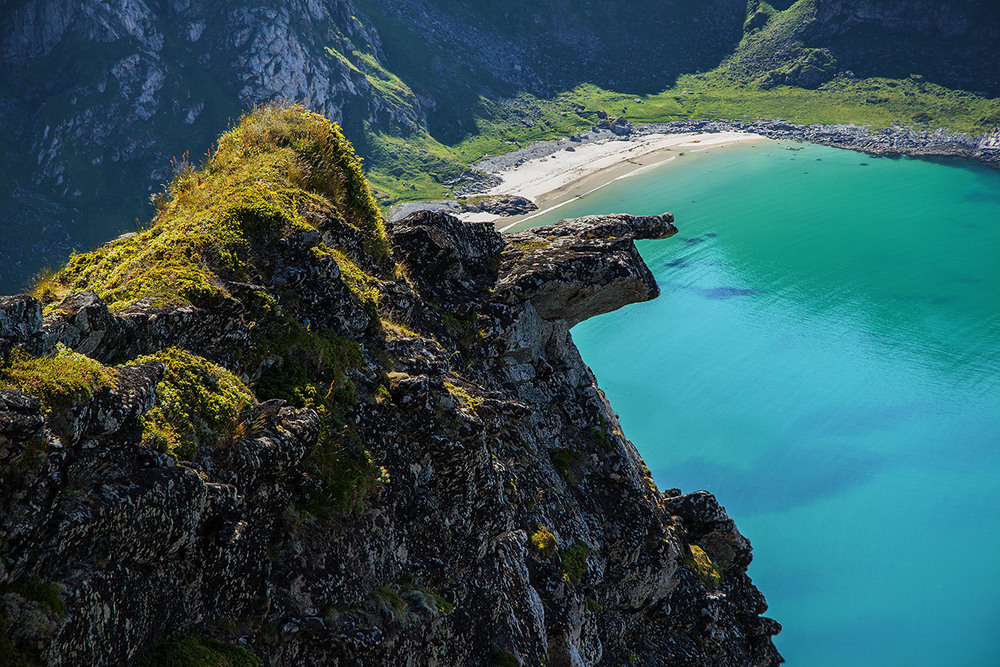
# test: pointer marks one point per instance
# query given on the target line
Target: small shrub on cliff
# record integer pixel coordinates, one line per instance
(574, 562)
(309, 369)
(544, 541)
(59, 382)
(197, 403)
(564, 460)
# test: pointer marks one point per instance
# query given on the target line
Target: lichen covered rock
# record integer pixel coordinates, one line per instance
(311, 439)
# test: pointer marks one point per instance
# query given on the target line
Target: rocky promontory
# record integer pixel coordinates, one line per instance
(267, 429)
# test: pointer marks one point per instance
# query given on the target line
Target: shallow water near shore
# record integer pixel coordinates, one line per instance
(825, 358)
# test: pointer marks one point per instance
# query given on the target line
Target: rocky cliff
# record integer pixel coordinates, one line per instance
(268, 429)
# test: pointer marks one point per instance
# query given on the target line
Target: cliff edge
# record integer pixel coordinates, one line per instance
(267, 429)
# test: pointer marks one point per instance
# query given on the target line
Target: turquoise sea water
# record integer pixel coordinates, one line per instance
(825, 358)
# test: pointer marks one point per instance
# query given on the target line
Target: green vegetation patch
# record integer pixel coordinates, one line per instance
(215, 222)
(188, 651)
(701, 564)
(10, 654)
(59, 382)
(564, 460)
(47, 594)
(543, 540)
(460, 394)
(574, 562)
(198, 403)
(501, 657)
(309, 369)
(306, 367)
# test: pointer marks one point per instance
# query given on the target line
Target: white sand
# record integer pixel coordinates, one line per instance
(550, 181)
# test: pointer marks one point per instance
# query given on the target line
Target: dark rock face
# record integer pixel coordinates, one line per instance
(498, 205)
(515, 522)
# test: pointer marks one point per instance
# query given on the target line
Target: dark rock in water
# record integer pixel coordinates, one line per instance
(694, 240)
(710, 235)
(678, 263)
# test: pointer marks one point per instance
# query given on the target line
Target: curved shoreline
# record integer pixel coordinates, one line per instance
(554, 172)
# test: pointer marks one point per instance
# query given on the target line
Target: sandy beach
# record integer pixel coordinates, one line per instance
(560, 177)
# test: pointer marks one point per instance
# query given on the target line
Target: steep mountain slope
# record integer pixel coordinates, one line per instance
(270, 429)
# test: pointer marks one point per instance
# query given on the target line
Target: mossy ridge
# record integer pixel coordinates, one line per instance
(212, 223)
(188, 651)
(198, 403)
(59, 382)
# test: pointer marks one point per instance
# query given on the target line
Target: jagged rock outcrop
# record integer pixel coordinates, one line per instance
(497, 514)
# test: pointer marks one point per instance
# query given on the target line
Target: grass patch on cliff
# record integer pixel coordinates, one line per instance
(46, 597)
(574, 562)
(188, 651)
(310, 369)
(197, 404)
(59, 382)
(544, 541)
(701, 564)
(214, 224)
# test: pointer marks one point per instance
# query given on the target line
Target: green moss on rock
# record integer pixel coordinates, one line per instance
(543, 540)
(59, 382)
(574, 562)
(197, 403)
(701, 564)
(187, 651)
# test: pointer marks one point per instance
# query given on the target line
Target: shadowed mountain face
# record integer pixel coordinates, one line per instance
(478, 48)
(950, 43)
(96, 98)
